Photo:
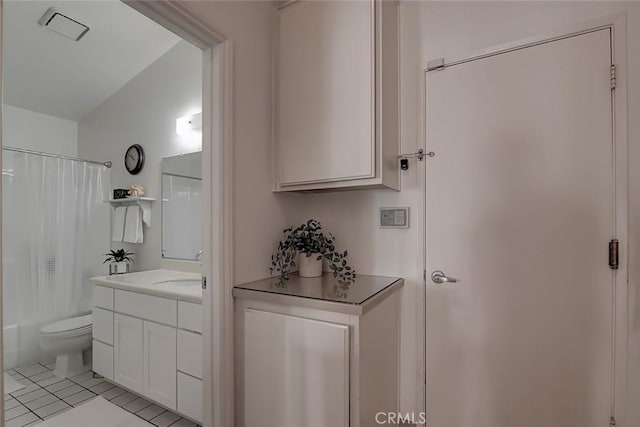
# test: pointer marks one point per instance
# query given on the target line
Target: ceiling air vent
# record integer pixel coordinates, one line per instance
(62, 24)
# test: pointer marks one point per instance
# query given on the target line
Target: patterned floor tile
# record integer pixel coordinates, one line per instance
(137, 405)
(165, 419)
(51, 409)
(59, 386)
(22, 420)
(15, 412)
(80, 397)
(151, 411)
(46, 395)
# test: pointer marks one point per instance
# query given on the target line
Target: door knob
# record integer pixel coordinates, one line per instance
(439, 277)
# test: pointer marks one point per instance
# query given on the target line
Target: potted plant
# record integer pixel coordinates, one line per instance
(119, 261)
(306, 246)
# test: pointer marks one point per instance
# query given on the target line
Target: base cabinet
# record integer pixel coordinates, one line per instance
(159, 357)
(313, 367)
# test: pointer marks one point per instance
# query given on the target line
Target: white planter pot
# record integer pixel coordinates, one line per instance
(309, 266)
(119, 267)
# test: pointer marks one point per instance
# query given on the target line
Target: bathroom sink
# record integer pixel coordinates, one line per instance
(180, 282)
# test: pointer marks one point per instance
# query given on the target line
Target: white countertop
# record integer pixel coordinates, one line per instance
(155, 282)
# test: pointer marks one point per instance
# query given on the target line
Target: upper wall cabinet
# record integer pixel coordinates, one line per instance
(336, 95)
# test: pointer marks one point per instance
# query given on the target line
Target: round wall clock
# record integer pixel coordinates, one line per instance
(134, 159)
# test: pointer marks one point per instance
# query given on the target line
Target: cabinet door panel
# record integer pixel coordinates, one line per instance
(190, 396)
(103, 325)
(103, 359)
(190, 353)
(296, 371)
(127, 361)
(325, 92)
(160, 364)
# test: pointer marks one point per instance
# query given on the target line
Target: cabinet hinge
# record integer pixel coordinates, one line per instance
(424, 275)
(612, 422)
(613, 254)
(204, 282)
(613, 77)
(436, 64)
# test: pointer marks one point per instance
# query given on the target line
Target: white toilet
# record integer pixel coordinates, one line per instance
(67, 339)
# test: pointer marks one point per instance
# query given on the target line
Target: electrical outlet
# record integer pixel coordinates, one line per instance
(394, 217)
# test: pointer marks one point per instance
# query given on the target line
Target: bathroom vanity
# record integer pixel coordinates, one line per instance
(313, 352)
(147, 336)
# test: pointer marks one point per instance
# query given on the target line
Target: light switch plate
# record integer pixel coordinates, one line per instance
(394, 217)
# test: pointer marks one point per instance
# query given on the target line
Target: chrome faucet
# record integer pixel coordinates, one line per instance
(198, 255)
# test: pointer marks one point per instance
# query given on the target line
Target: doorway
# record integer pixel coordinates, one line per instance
(216, 137)
(522, 201)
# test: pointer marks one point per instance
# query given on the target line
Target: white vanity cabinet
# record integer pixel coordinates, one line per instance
(311, 354)
(336, 95)
(150, 345)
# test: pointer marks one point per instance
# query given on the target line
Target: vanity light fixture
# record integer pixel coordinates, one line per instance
(189, 124)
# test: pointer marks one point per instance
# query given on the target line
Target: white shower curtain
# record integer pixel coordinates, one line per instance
(55, 230)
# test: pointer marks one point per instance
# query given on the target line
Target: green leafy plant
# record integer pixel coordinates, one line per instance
(118, 255)
(309, 239)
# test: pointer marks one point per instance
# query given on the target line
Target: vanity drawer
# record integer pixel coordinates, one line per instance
(103, 325)
(103, 297)
(190, 396)
(190, 316)
(190, 353)
(148, 307)
(103, 359)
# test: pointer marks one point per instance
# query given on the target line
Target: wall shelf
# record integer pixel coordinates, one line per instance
(143, 202)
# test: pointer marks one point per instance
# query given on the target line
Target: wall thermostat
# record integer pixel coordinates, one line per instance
(394, 217)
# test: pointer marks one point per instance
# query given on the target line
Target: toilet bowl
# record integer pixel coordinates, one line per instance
(67, 339)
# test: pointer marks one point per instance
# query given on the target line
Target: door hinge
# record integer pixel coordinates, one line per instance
(204, 282)
(612, 422)
(613, 77)
(613, 254)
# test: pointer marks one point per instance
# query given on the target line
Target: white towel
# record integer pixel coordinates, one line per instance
(133, 225)
(117, 228)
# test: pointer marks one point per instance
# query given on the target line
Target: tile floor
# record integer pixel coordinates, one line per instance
(47, 395)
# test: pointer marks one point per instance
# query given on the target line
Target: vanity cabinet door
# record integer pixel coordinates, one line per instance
(160, 368)
(325, 92)
(127, 363)
(336, 95)
(296, 371)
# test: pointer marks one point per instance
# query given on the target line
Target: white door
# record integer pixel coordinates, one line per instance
(296, 371)
(159, 362)
(127, 349)
(520, 208)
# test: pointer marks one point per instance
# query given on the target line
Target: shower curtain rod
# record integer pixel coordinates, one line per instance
(57, 156)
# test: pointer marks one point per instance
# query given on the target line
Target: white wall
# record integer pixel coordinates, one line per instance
(40, 132)
(259, 215)
(144, 112)
(435, 29)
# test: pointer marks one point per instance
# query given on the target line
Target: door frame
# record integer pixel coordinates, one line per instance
(618, 27)
(217, 147)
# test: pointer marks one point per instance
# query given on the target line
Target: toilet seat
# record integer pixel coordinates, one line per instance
(69, 327)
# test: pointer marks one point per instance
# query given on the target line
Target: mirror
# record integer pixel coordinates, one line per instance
(182, 206)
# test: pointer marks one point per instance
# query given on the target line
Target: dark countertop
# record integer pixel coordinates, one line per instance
(363, 291)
